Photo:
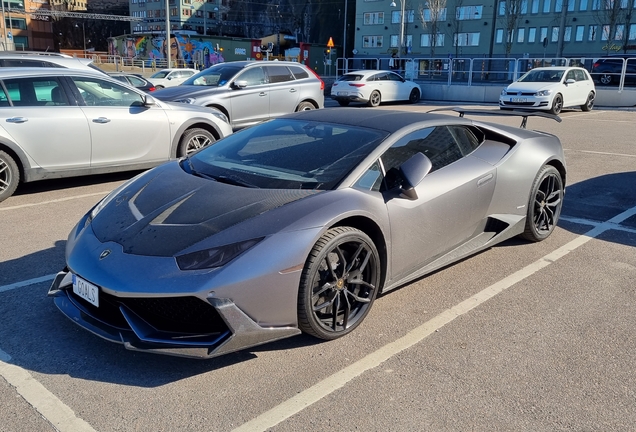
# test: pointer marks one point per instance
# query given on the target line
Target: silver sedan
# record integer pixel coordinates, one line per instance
(63, 122)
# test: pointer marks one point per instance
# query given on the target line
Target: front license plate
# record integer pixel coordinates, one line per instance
(518, 100)
(86, 290)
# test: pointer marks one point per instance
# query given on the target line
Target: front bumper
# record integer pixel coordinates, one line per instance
(179, 326)
(527, 102)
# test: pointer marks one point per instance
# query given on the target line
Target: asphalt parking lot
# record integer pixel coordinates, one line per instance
(521, 337)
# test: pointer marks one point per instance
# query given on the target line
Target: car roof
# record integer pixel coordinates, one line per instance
(33, 53)
(16, 72)
(386, 120)
(245, 63)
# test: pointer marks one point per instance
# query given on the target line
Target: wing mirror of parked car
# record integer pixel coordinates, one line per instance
(413, 172)
(570, 81)
(240, 84)
(149, 101)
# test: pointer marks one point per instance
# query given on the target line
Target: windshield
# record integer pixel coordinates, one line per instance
(543, 75)
(215, 76)
(287, 154)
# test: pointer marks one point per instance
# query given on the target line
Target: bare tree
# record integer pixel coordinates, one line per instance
(430, 15)
(510, 20)
(609, 14)
(455, 27)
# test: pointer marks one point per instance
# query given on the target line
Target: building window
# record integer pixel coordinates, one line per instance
(502, 8)
(579, 33)
(591, 36)
(466, 39)
(395, 40)
(372, 41)
(605, 35)
(396, 16)
(371, 18)
(583, 5)
(427, 39)
(544, 34)
(570, 5)
(532, 34)
(499, 36)
(468, 12)
(596, 4)
(524, 7)
(427, 15)
(558, 5)
(555, 34)
(546, 6)
(521, 34)
(632, 32)
(535, 6)
(567, 34)
(620, 32)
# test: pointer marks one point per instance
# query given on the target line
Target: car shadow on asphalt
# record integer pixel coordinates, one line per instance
(73, 182)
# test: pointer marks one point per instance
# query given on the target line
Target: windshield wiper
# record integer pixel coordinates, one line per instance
(233, 180)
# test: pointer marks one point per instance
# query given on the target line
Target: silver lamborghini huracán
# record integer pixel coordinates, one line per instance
(297, 224)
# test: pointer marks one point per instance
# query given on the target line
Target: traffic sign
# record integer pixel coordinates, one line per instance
(330, 44)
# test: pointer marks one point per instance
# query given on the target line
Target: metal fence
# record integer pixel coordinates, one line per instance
(488, 71)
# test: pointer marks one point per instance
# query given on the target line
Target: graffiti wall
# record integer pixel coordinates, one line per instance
(184, 49)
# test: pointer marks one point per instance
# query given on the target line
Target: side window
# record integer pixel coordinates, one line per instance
(4, 99)
(254, 76)
(97, 92)
(371, 179)
(437, 143)
(278, 74)
(137, 82)
(570, 75)
(35, 92)
(466, 140)
(394, 77)
(299, 72)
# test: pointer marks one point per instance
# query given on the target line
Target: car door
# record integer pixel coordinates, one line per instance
(571, 91)
(45, 123)
(402, 90)
(124, 130)
(284, 90)
(387, 87)
(249, 103)
(451, 200)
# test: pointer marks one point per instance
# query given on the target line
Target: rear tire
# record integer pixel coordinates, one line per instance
(9, 176)
(589, 104)
(338, 284)
(374, 99)
(605, 79)
(305, 106)
(193, 140)
(544, 205)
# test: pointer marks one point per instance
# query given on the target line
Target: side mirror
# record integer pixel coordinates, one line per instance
(241, 84)
(149, 101)
(413, 172)
(570, 81)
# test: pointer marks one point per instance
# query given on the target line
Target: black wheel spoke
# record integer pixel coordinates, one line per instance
(335, 307)
(330, 267)
(343, 260)
(357, 298)
(326, 304)
(354, 258)
(324, 288)
(346, 312)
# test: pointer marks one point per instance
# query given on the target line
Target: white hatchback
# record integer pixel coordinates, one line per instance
(170, 77)
(551, 89)
(374, 86)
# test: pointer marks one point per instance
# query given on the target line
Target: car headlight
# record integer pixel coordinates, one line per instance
(544, 92)
(187, 100)
(504, 91)
(214, 257)
(218, 114)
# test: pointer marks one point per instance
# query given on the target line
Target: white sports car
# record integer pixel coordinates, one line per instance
(550, 88)
(374, 86)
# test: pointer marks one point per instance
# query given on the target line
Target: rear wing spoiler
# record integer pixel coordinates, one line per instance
(516, 113)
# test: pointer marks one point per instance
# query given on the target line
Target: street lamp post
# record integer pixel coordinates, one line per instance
(402, 4)
(83, 36)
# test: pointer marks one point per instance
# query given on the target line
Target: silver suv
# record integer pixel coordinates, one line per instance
(248, 92)
(67, 122)
(45, 59)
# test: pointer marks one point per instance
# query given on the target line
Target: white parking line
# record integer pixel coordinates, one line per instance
(45, 402)
(54, 201)
(338, 380)
(27, 283)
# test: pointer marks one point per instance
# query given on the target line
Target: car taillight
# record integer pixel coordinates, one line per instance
(356, 85)
(595, 65)
(152, 89)
(322, 83)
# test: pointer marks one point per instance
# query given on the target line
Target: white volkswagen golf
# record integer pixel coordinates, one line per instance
(551, 89)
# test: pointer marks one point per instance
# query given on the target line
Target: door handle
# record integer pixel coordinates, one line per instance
(101, 120)
(292, 90)
(17, 120)
(261, 94)
(485, 179)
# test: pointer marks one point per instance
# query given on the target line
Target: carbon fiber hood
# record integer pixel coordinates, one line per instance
(167, 210)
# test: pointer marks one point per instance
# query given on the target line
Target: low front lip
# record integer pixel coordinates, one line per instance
(136, 334)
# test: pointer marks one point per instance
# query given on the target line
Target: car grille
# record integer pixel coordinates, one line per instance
(520, 94)
(518, 103)
(188, 315)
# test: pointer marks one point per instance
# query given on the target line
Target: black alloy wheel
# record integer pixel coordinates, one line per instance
(557, 104)
(589, 104)
(414, 97)
(544, 207)
(339, 283)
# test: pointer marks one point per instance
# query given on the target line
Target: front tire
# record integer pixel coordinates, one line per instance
(374, 99)
(414, 97)
(544, 206)
(9, 176)
(605, 79)
(589, 104)
(194, 139)
(557, 104)
(339, 283)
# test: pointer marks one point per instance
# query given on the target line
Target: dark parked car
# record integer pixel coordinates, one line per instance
(608, 70)
(134, 80)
